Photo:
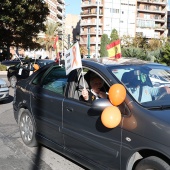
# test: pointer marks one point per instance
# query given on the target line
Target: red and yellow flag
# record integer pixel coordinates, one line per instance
(56, 46)
(114, 50)
(55, 43)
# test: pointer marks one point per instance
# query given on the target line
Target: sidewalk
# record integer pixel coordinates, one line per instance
(3, 72)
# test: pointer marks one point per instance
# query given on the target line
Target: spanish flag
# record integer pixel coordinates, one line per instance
(56, 46)
(114, 50)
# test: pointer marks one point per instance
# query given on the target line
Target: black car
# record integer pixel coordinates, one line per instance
(48, 110)
(24, 69)
(13, 62)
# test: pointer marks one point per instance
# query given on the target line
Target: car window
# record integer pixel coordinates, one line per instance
(84, 82)
(56, 80)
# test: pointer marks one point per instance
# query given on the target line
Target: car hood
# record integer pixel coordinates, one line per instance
(153, 125)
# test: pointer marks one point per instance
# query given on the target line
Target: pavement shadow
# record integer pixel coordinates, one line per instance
(37, 159)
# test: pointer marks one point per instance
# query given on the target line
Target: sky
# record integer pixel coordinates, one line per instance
(73, 7)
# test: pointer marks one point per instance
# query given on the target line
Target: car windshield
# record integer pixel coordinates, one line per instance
(147, 84)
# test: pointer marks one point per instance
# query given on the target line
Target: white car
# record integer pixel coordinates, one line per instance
(4, 90)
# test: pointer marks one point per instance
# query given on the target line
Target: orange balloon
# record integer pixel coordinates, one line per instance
(117, 94)
(111, 117)
(36, 67)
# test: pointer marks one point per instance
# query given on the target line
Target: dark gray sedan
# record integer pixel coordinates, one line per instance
(48, 110)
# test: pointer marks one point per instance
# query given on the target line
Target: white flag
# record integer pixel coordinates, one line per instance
(73, 58)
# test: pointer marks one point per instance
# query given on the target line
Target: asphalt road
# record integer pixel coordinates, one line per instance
(14, 155)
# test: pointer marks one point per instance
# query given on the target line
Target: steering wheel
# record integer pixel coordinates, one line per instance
(162, 96)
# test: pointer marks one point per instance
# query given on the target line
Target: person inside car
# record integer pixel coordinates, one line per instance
(96, 84)
(140, 87)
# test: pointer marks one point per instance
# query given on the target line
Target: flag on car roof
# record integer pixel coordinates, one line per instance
(114, 50)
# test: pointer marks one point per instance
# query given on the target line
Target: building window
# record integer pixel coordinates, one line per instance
(157, 7)
(147, 7)
(156, 16)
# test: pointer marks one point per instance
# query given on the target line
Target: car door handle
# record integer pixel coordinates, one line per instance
(69, 109)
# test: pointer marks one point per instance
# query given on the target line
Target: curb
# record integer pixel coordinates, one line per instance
(3, 72)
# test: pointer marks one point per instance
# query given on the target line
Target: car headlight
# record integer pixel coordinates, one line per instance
(3, 85)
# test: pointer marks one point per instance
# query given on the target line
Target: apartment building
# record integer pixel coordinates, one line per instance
(57, 14)
(57, 10)
(129, 17)
(88, 23)
(151, 19)
(168, 23)
(72, 28)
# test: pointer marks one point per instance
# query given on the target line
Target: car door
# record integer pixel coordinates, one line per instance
(46, 102)
(85, 134)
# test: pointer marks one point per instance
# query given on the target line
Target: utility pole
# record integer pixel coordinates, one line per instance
(97, 30)
(88, 42)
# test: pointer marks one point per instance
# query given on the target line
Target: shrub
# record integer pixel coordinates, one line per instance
(3, 67)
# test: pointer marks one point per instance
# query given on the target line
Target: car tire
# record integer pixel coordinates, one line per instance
(13, 81)
(152, 163)
(27, 128)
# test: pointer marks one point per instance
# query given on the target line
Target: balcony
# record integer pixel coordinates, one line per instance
(91, 33)
(91, 13)
(60, 6)
(152, 11)
(60, 21)
(90, 23)
(158, 20)
(60, 14)
(84, 5)
(153, 2)
(61, 1)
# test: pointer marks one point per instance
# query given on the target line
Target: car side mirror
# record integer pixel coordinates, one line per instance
(101, 104)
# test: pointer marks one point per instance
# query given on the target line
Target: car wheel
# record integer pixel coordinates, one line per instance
(27, 128)
(13, 81)
(152, 163)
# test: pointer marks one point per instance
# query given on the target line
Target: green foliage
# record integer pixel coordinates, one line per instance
(135, 53)
(155, 55)
(104, 42)
(114, 35)
(165, 54)
(21, 21)
(140, 42)
(50, 35)
(3, 67)
(126, 41)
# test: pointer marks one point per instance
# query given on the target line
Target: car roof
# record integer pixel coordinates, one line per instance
(122, 61)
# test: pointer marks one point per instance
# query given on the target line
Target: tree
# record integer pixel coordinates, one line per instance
(140, 42)
(83, 50)
(50, 35)
(104, 42)
(114, 35)
(126, 41)
(21, 21)
(165, 54)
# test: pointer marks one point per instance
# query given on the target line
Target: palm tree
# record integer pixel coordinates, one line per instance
(49, 36)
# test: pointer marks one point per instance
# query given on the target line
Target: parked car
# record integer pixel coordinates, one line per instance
(13, 62)
(48, 110)
(23, 70)
(4, 90)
